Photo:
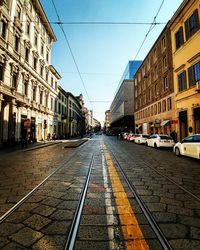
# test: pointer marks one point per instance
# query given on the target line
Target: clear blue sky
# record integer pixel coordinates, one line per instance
(102, 51)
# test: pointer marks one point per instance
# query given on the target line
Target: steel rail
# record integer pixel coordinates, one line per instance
(160, 235)
(71, 239)
(20, 202)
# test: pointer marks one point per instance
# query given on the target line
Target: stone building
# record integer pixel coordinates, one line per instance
(154, 88)
(28, 83)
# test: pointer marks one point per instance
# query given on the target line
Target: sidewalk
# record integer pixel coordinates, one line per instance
(36, 145)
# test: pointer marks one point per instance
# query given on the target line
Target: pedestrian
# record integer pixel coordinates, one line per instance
(49, 136)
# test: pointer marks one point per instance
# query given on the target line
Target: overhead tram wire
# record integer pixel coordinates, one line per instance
(71, 52)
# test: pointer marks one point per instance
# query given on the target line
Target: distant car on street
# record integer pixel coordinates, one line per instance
(189, 146)
(130, 137)
(141, 138)
(158, 141)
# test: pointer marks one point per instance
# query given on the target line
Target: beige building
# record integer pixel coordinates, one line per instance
(107, 120)
(154, 89)
(28, 84)
(185, 34)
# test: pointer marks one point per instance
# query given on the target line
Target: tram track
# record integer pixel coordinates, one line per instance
(28, 195)
(154, 225)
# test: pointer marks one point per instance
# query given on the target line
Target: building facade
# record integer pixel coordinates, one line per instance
(28, 84)
(154, 89)
(185, 34)
(107, 121)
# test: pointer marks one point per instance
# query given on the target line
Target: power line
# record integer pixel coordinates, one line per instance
(71, 52)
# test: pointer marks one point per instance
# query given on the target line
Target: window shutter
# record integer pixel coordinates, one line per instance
(191, 76)
(181, 35)
(187, 29)
(196, 17)
(184, 81)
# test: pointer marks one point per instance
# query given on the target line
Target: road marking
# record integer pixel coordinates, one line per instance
(132, 233)
(109, 208)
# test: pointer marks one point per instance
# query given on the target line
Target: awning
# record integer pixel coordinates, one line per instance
(163, 123)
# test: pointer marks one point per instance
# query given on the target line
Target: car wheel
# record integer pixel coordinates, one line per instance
(155, 145)
(177, 151)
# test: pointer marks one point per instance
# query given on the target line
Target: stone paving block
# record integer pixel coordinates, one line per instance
(36, 198)
(50, 243)
(37, 222)
(68, 205)
(93, 220)
(165, 217)
(185, 244)
(180, 210)
(3, 241)
(93, 210)
(94, 202)
(187, 220)
(61, 214)
(156, 207)
(174, 231)
(73, 196)
(195, 233)
(7, 229)
(13, 246)
(44, 210)
(57, 227)
(150, 198)
(26, 236)
(91, 245)
(28, 206)
(18, 217)
(50, 201)
(192, 204)
(94, 233)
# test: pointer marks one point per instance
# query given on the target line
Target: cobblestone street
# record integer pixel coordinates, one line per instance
(168, 186)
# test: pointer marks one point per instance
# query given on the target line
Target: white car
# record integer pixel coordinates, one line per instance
(158, 141)
(189, 146)
(141, 139)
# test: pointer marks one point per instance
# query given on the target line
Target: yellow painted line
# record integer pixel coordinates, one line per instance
(132, 233)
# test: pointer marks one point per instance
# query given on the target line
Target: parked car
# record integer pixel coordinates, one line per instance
(189, 146)
(130, 137)
(141, 138)
(157, 141)
(124, 135)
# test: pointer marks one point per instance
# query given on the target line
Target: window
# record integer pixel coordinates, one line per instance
(51, 103)
(166, 83)
(47, 76)
(47, 57)
(163, 43)
(56, 84)
(1, 71)
(14, 80)
(41, 97)
(35, 63)
(155, 109)
(163, 105)
(16, 43)
(192, 24)
(156, 90)
(47, 99)
(182, 81)
(25, 88)
(42, 49)
(18, 12)
(34, 94)
(36, 39)
(194, 74)
(164, 62)
(51, 81)
(3, 28)
(179, 38)
(28, 27)
(41, 70)
(159, 107)
(27, 53)
(169, 103)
